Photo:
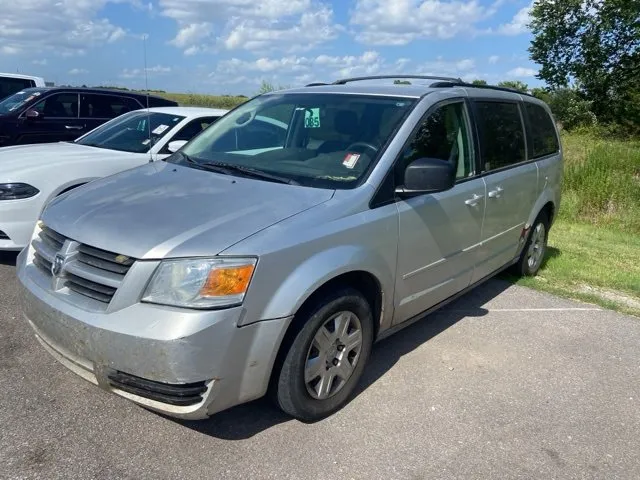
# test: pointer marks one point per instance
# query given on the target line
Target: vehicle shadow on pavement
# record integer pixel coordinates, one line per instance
(247, 420)
(8, 258)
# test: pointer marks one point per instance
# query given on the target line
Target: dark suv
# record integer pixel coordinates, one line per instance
(42, 115)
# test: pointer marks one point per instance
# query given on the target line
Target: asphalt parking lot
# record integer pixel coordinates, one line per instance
(505, 383)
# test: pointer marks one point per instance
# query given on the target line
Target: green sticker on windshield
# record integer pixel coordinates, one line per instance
(312, 118)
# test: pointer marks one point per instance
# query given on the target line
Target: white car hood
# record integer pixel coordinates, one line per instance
(19, 159)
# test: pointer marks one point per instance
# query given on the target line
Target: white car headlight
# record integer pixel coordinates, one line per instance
(17, 191)
(200, 282)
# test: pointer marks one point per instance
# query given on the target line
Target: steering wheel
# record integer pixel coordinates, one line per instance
(370, 146)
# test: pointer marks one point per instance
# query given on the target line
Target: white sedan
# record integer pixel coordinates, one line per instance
(32, 175)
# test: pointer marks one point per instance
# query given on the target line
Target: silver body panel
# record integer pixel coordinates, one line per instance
(421, 251)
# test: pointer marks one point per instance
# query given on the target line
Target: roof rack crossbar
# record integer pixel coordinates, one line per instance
(344, 81)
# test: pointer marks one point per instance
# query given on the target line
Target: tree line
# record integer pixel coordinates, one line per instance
(589, 53)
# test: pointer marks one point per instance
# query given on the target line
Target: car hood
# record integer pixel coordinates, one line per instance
(163, 210)
(20, 158)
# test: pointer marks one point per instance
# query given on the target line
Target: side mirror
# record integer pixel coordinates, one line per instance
(427, 175)
(32, 115)
(176, 145)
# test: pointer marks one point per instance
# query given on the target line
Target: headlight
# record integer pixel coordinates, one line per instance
(16, 191)
(200, 283)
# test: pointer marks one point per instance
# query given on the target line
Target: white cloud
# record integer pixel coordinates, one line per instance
(300, 70)
(286, 64)
(493, 59)
(369, 63)
(519, 23)
(42, 62)
(192, 34)
(464, 67)
(78, 71)
(190, 11)
(293, 25)
(522, 72)
(399, 22)
(312, 29)
(139, 72)
(401, 63)
(66, 27)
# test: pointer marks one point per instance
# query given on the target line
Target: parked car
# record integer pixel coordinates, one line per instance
(259, 258)
(31, 175)
(11, 83)
(43, 115)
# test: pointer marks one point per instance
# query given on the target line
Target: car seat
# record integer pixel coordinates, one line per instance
(346, 124)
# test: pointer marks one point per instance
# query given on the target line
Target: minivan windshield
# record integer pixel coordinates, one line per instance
(134, 132)
(19, 99)
(319, 140)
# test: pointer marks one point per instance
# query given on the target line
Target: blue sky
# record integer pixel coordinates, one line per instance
(230, 46)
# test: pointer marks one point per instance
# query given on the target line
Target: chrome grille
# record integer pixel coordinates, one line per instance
(87, 271)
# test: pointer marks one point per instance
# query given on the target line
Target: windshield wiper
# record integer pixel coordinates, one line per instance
(230, 169)
(253, 172)
(94, 145)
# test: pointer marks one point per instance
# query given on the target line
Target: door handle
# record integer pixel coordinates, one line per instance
(473, 201)
(73, 127)
(497, 193)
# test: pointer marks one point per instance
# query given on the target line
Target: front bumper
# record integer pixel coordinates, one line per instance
(160, 346)
(17, 221)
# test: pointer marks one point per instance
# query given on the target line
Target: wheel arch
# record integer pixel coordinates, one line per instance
(361, 280)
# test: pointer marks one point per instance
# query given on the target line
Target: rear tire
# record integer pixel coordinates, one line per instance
(534, 251)
(326, 356)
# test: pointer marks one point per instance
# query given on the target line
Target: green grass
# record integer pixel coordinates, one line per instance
(594, 247)
(211, 101)
(582, 256)
(602, 182)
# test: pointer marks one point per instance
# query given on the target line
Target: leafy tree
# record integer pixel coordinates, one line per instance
(515, 84)
(401, 82)
(479, 82)
(542, 94)
(596, 42)
(570, 109)
(266, 87)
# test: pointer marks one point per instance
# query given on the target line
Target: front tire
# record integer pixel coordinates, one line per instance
(327, 356)
(535, 249)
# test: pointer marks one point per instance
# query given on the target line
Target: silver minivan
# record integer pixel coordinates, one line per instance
(275, 248)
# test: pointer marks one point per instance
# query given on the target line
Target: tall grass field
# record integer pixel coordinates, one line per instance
(210, 101)
(594, 246)
(602, 182)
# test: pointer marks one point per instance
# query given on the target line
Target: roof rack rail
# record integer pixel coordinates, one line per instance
(344, 81)
(316, 84)
(501, 89)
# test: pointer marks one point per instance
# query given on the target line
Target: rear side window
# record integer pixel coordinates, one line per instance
(193, 128)
(501, 134)
(106, 106)
(9, 86)
(543, 133)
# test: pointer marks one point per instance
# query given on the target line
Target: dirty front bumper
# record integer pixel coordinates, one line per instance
(183, 363)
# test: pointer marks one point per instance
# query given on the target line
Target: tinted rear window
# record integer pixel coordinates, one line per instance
(105, 106)
(501, 134)
(9, 86)
(543, 133)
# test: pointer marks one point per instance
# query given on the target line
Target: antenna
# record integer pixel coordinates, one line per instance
(146, 87)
